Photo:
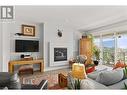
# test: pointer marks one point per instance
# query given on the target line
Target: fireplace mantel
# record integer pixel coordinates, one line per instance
(67, 47)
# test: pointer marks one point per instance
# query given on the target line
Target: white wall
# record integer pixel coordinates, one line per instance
(7, 41)
(17, 29)
(50, 35)
(46, 33)
(0, 47)
(76, 37)
(6, 27)
(38, 36)
(5, 44)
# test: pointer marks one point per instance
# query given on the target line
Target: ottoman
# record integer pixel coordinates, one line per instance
(26, 69)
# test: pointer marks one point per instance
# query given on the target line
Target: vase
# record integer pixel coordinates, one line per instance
(96, 62)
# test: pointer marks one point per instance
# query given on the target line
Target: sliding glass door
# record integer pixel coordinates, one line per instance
(113, 47)
(108, 44)
(97, 42)
(122, 48)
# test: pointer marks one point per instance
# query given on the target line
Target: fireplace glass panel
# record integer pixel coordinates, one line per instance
(60, 54)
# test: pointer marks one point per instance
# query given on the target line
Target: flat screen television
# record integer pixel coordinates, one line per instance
(26, 46)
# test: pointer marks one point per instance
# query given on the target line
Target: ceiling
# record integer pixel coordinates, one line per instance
(82, 18)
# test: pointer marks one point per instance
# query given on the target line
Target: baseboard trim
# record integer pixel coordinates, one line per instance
(55, 68)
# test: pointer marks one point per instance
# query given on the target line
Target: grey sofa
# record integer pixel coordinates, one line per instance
(12, 81)
(99, 86)
(101, 79)
(113, 79)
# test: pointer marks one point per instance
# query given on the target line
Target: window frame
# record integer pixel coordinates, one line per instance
(102, 36)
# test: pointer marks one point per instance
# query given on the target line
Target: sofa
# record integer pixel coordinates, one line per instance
(103, 78)
(99, 86)
(12, 81)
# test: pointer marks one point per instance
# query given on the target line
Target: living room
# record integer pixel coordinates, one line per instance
(32, 41)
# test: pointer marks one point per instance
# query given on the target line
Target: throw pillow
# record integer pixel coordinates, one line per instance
(90, 69)
(110, 77)
(119, 64)
(94, 75)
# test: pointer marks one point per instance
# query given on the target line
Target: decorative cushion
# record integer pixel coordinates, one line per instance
(110, 77)
(90, 69)
(119, 64)
(94, 74)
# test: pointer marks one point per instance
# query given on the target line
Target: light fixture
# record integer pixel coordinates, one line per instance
(119, 36)
(78, 71)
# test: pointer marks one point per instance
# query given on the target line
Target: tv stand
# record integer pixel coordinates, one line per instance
(22, 62)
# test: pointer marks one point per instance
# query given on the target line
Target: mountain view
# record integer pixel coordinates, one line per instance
(109, 50)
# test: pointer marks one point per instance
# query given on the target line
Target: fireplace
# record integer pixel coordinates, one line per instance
(60, 54)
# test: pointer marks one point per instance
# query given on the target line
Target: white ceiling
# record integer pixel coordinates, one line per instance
(78, 17)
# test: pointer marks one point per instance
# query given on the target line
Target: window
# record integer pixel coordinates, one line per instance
(97, 42)
(113, 48)
(122, 48)
(108, 50)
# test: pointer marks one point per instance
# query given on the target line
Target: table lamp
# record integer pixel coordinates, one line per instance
(78, 71)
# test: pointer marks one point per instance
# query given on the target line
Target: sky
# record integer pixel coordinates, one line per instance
(108, 43)
(121, 43)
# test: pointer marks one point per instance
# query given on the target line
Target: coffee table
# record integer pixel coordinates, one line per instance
(43, 85)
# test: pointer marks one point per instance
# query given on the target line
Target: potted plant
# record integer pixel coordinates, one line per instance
(96, 54)
(125, 71)
(87, 35)
(77, 83)
(84, 35)
(125, 86)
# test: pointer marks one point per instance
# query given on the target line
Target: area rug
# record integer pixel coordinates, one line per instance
(51, 76)
(55, 87)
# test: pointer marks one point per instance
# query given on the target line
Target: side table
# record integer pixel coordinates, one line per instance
(62, 79)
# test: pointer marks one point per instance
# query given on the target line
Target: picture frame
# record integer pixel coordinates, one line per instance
(28, 30)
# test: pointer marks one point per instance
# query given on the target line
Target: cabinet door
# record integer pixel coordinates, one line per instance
(82, 47)
(86, 49)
